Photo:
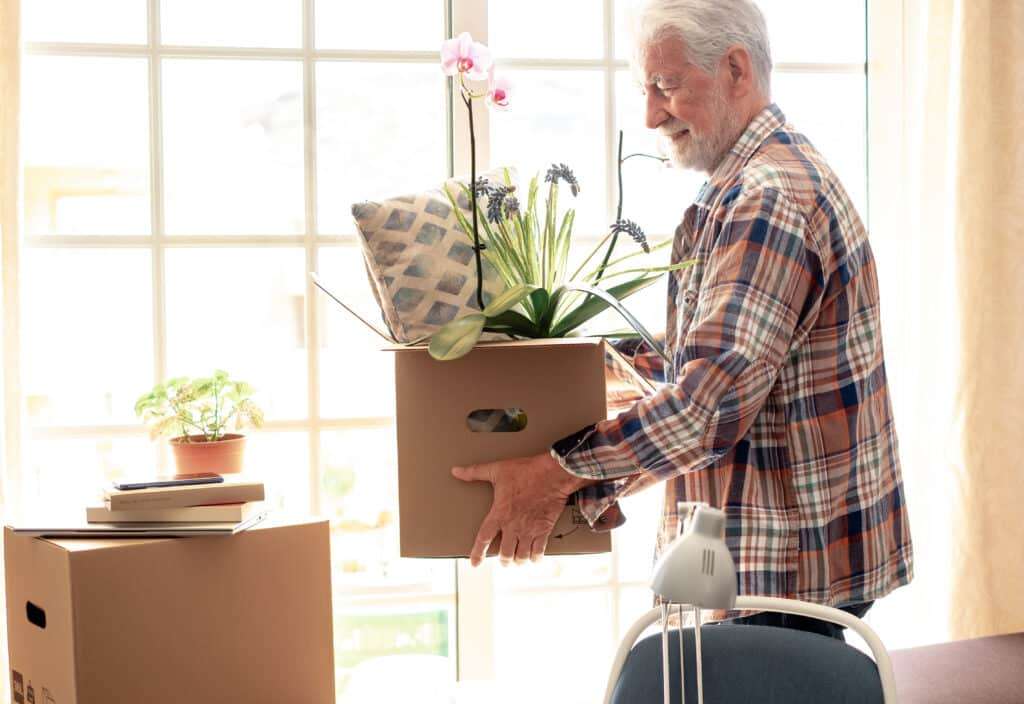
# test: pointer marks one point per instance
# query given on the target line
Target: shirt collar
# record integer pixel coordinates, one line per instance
(759, 129)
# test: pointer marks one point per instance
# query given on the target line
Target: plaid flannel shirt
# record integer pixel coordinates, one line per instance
(776, 408)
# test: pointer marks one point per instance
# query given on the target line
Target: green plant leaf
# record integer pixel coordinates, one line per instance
(613, 301)
(549, 315)
(513, 322)
(651, 269)
(595, 305)
(509, 299)
(457, 338)
(540, 299)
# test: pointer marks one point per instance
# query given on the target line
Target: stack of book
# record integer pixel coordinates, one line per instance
(202, 509)
(226, 507)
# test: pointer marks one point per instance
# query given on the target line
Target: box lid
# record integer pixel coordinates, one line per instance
(75, 545)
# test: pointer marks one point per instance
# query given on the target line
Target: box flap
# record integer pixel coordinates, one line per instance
(501, 344)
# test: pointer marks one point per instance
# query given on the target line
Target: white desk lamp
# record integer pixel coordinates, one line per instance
(697, 570)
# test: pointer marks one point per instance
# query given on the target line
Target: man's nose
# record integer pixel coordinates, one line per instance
(655, 113)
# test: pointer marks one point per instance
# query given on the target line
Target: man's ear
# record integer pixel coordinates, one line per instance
(741, 70)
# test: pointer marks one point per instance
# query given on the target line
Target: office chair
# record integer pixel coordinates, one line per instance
(763, 664)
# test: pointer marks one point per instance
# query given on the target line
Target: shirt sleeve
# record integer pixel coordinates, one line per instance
(647, 362)
(760, 294)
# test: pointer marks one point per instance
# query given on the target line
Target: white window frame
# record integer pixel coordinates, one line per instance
(474, 588)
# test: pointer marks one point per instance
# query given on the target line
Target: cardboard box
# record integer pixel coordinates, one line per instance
(244, 618)
(559, 384)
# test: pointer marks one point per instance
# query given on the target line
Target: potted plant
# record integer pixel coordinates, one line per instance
(529, 245)
(196, 413)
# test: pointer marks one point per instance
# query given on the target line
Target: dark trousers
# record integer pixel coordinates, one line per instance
(803, 623)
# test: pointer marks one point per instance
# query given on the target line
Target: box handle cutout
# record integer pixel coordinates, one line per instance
(36, 616)
(497, 420)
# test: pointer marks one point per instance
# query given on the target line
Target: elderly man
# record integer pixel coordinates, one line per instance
(776, 406)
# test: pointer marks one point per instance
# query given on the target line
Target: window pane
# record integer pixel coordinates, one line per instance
(88, 335)
(380, 133)
(555, 29)
(373, 644)
(356, 376)
(555, 571)
(233, 147)
(634, 541)
(559, 639)
(359, 493)
(270, 23)
(85, 146)
(66, 475)
(281, 462)
(241, 310)
(343, 24)
(830, 110)
(623, 36)
(655, 195)
(799, 31)
(816, 32)
(99, 21)
(557, 117)
(634, 602)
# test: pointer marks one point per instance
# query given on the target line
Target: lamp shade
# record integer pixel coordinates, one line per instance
(697, 568)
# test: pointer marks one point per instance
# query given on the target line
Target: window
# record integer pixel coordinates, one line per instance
(183, 170)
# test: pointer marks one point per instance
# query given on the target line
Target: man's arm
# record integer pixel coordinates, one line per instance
(762, 288)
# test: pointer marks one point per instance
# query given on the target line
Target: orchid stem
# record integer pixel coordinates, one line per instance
(618, 216)
(472, 204)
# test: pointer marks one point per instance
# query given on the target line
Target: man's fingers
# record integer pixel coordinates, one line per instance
(523, 549)
(488, 531)
(507, 553)
(472, 473)
(540, 544)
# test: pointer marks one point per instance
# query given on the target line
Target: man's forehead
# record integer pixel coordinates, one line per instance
(660, 60)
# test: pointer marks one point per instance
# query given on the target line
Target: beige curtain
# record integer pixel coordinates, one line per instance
(10, 70)
(947, 223)
(988, 574)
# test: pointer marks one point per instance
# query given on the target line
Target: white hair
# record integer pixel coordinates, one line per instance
(708, 28)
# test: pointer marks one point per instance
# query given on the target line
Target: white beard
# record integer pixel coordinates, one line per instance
(702, 152)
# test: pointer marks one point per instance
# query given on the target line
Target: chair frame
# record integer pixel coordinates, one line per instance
(785, 606)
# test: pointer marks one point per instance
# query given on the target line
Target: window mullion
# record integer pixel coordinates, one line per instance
(470, 16)
(156, 199)
(611, 164)
(474, 595)
(312, 258)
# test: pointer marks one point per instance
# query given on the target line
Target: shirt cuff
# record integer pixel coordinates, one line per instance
(598, 503)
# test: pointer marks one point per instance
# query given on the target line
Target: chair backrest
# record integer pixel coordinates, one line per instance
(757, 663)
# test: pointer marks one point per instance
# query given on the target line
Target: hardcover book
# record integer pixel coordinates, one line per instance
(215, 513)
(181, 496)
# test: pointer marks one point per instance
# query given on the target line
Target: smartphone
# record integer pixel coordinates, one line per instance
(170, 480)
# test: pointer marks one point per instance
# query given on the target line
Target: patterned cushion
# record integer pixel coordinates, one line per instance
(420, 260)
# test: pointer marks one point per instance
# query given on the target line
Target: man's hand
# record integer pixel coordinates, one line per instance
(529, 495)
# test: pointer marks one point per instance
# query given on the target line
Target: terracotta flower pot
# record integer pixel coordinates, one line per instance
(222, 456)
